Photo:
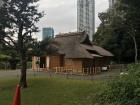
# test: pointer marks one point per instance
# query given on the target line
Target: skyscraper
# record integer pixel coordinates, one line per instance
(111, 3)
(1, 2)
(86, 16)
(48, 32)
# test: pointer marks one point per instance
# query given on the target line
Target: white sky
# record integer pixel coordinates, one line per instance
(62, 14)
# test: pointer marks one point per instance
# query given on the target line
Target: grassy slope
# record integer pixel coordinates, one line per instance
(51, 91)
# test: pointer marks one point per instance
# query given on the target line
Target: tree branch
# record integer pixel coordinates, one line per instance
(9, 38)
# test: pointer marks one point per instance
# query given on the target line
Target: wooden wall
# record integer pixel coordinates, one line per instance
(56, 61)
(73, 63)
(59, 61)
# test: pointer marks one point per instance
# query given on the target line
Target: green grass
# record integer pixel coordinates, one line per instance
(52, 91)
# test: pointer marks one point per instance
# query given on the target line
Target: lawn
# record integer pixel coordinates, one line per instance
(52, 91)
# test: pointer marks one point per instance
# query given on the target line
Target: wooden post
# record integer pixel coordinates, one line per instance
(55, 69)
(82, 71)
(66, 70)
(87, 71)
(60, 69)
(72, 70)
(95, 70)
(90, 71)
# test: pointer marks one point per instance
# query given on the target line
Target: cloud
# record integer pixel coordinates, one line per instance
(62, 14)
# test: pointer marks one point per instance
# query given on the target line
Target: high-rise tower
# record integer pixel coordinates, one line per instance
(1, 2)
(47, 32)
(86, 16)
(111, 3)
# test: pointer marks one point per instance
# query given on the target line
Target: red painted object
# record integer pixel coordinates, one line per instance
(16, 100)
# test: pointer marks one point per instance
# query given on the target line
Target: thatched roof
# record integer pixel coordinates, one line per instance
(78, 45)
(97, 49)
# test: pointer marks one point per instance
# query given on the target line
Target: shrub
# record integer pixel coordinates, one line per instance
(123, 91)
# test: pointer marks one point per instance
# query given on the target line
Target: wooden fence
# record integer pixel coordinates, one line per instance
(77, 71)
(85, 71)
(120, 67)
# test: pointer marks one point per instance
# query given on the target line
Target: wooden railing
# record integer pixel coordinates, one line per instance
(78, 71)
(120, 67)
(84, 71)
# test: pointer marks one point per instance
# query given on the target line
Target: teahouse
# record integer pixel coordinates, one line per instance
(75, 52)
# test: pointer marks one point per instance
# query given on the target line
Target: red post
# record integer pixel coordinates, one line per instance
(16, 100)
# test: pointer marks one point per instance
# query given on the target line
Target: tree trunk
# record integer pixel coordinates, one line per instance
(23, 81)
(136, 50)
(132, 34)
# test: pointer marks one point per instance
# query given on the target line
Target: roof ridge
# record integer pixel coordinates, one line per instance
(69, 34)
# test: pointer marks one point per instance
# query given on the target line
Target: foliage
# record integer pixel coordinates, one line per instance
(41, 48)
(124, 91)
(47, 46)
(18, 22)
(13, 56)
(119, 28)
(4, 57)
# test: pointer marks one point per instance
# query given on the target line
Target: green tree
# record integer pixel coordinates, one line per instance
(129, 11)
(46, 46)
(119, 30)
(12, 53)
(21, 17)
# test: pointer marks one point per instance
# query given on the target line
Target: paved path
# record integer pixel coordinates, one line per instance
(101, 76)
(10, 73)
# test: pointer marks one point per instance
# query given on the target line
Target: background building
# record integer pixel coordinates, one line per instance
(1, 2)
(111, 3)
(86, 17)
(47, 32)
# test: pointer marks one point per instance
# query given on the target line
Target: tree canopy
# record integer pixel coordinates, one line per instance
(17, 25)
(119, 30)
